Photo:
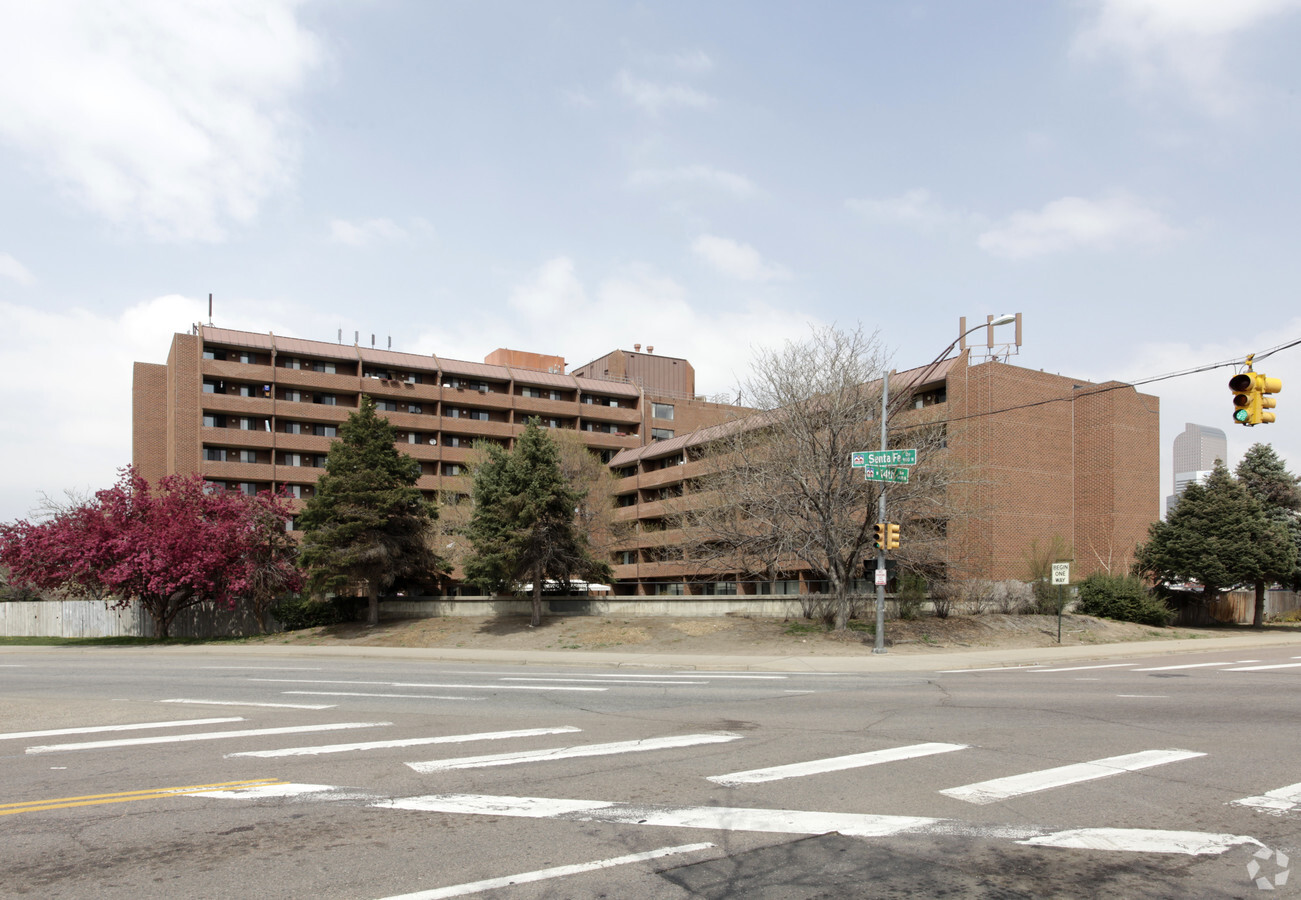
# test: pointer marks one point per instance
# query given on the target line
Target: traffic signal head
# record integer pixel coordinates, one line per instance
(1250, 397)
(879, 536)
(891, 536)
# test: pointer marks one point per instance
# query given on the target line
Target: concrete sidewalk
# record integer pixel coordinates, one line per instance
(928, 661)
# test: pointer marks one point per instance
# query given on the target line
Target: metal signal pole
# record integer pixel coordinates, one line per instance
(879, 647)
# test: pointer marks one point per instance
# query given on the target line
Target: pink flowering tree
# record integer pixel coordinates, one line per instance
(167, 548)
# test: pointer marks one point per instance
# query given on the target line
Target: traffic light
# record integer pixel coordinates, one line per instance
(1250, 397)
(891, 536)
(879, 531)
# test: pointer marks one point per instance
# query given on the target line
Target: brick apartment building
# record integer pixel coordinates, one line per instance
(257, 411)
(1046, 456)
(1050, 455)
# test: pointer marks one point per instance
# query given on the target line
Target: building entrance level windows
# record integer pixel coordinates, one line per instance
(662, 411)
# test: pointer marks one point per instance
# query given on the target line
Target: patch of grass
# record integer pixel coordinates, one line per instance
(864, 627)
(804, 628)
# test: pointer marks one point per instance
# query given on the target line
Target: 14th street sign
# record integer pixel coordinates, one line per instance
(896, 474)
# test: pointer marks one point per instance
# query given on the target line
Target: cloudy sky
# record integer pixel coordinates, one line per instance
(574, 176)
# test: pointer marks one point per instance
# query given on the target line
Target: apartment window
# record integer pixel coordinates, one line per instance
(661, 434)
(247, 424)
(453, 469)
(415, 408)
(626, 471)
(662, 411)
(326, 367)
(294, 490)
(549, 423)
(626, 500)
(246, 358)
(248, 456)
(480, 415)
(456, 440)
(626, 557)
(213, 421)
(532, 392)
(294, 428)
(293, 363)
(386, 405)
(412, 378)
(214, 454)
(248, 488)
(294, 396)
(214, 354)
(214, 387)
(325, 430)
(327, 399)
(293, 459)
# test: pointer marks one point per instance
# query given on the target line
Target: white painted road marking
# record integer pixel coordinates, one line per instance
(528, 756)
(405, 742)
(1188, 666)
(780, 821)
(477, 887)
(366, 694)
(267, 791)
(786, 821)
(990, 669)
(412, 684)
(1141, 840)
(1016, 785)
(242, 703)
(1088, 668)
(204, 736)
(266, 668)
(603, 680)
(1276, 802)
(834, 764)
(96, 729)
(1294, 665)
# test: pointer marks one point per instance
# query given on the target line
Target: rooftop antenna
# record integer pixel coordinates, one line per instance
(340, 335)
(210, 308)
(390, 342)
(356, 337)
(372, 339)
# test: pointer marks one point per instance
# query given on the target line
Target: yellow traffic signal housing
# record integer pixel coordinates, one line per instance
(879, 536)
(1250, 397)
(892, 536)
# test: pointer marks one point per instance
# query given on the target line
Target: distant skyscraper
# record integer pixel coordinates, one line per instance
(1195, 453)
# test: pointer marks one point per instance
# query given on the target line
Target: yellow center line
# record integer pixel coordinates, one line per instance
(9, 809)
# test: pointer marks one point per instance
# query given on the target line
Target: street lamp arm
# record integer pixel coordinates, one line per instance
(930, 367)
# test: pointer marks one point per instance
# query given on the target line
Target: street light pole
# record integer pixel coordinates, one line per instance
(879, 645)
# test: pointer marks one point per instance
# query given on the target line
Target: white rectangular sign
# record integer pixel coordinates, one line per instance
(880, 577)
(1061, 573)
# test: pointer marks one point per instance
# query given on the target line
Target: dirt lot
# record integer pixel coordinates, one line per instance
(742, 635)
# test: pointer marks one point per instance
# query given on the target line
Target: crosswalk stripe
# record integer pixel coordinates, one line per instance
(413, 684)
(97, 729)
(405, 742)
(203, 736)
(781, 821)
(834, 764)
(491, 884)
(1284, 799)
(1030, 782)
(789, 821)
(527, 756)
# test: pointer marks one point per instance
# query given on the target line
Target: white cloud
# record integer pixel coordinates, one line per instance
(172, 117)
(737, 260)
(1183, 41)
(694, 176)
(917, 208)
(635, 304)
(655, 97)
(554, 291)
(1076, 222)
(365, 231)
(12, 268)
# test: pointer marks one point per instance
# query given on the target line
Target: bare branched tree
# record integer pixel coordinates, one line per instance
(779, 492)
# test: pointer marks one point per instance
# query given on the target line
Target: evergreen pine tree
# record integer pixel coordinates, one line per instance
(1218, 536)
(1267, 479)
(523, 526)
(367, 524)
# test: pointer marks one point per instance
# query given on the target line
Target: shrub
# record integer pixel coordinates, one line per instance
(298, 612)
(1123, 598)
(912, 593)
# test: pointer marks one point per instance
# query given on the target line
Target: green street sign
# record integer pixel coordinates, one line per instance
(860, 458)
(895, 474)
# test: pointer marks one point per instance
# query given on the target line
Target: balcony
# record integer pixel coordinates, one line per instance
(234, 405)
(237, 438)
(591, 412)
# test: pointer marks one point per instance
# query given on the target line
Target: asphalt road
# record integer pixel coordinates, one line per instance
(143, 773)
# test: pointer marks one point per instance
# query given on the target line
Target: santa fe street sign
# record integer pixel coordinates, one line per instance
(860, 458)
